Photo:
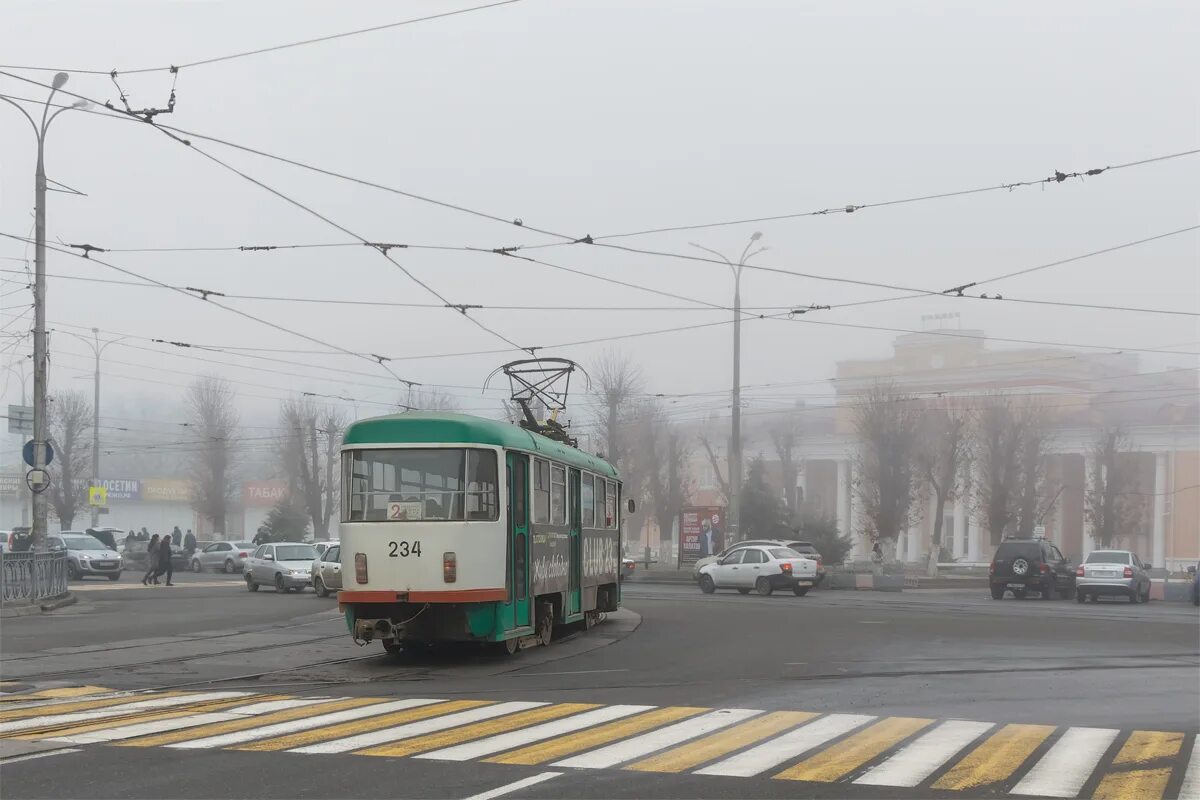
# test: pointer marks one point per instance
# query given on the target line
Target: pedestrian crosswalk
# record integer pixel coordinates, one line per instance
(910, 753)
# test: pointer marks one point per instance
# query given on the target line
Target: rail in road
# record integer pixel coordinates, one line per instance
(916, 754)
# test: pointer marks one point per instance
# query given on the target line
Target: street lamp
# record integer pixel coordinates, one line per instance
(735, 448)
(97, 348)
(40, 504)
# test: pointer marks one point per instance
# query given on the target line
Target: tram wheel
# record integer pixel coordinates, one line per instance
(392, 646)
(545, 623)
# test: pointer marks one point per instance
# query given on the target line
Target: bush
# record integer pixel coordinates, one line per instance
(822, 531)
(287, 521)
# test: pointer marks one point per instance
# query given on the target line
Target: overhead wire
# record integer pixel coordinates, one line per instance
(175, 68)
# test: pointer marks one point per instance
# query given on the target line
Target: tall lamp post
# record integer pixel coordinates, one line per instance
(735, 445)
(20, 373)
(39, 477)
(97, 348)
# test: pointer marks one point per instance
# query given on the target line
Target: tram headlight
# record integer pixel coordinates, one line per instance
(360, 567)
(449, 567)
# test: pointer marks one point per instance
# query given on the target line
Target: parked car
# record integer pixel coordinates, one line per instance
(323, 546)
(16, 540)
(134, 552)
(761, 568)
(704, 562)
(86, 555)
(113, 538)
(1030, 565)
(1112, 572)
(1195, 584)
(285, 565)
(327, 571)
(227, 557)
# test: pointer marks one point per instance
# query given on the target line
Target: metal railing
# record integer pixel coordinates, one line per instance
(32, 577)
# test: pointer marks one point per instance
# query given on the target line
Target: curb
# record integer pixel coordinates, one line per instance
(12, 612)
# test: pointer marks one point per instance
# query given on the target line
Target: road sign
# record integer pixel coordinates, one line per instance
(97, 496)
(1039, 531)
(20, 419)
(38, 480)
(28, 452)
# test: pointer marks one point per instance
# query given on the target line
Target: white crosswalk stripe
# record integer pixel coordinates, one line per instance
(1190, 790)
(917, 761)
(1068, 764)
(412, 729)
(783, 748)
(135, 729)
(538, 733)
(114, 711)
(654, 741)
(295, 726)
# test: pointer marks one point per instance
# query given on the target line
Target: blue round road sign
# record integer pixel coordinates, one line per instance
(28, 452)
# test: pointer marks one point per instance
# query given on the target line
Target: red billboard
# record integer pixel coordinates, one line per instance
(701, 532)
(263, 494)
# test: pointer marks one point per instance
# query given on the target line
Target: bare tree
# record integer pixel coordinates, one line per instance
(715, 463)
(214, 421)
(429, 400)
(1010, 444)
(888, 428)
(656, 461)
(941, 460)
(312, 434)
(71, 434)
(616, 382)
(1112, 508)
(784, 432)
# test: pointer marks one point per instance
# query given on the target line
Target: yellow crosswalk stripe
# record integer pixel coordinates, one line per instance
(491, 727)
(215, 728)
(839, 760)
(365, 725)
(1134, 773)
(72, 691)
(996, 759)
(81, 705)
(552, 751)
(143, 716)
(711, 747)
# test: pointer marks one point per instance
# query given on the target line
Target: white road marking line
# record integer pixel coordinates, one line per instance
(922, 758)
(572, 672)
(537, 733)
(508, 788)
(640, 746)
(296, 725)
(115, 711)
(1190, 790)
(1067, 764)
(412, 729)
(774, 752)
(178, 723)
(32, 756)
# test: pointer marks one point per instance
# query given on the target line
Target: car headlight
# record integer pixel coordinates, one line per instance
(84, 557)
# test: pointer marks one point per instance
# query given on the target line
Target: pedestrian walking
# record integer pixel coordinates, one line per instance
(176, 536)
(189, 542)
(151, 575)
(164, 560)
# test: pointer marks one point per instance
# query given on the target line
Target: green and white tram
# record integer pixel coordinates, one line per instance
(458, 528)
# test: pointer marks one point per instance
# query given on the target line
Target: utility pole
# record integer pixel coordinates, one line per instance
(735, 443)
(40, 480)
(97, 349)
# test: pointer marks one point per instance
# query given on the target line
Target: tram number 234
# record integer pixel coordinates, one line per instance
(404, 549)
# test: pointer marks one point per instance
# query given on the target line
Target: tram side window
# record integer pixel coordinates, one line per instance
(541, 491)
(558, 495)
(601, 493)
(587, 502)
(610, 505)
(482, 485)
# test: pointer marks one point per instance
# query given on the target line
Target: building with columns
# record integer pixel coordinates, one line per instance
(1158, 412)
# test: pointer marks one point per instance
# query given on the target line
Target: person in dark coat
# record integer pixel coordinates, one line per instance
(164, 560)
(189, 542)
(151, 575)
(176, 536)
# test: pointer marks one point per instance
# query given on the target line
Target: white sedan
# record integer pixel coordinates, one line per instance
(763, 569)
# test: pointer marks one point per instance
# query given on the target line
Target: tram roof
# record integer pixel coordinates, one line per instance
(436, 427)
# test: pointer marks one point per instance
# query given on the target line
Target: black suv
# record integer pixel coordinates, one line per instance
(1030, 565)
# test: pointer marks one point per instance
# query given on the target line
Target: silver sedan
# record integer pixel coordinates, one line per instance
(1112, 572)
(226, 557)
(327, 571)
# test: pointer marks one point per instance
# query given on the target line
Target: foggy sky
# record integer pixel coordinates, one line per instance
(597, 118)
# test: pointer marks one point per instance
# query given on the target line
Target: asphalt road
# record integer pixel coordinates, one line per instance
(893, 678)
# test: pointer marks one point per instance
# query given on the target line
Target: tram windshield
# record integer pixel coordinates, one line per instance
(420, 484)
